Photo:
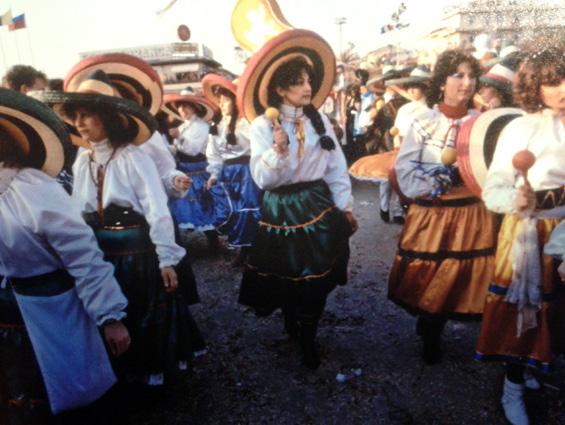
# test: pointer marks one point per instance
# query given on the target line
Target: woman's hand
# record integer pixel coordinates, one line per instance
(211, 182)
(281, 139)
(182, 183)
(117, 337)
(525, 198)
(174, 132)
(169, 279)
(352, 221)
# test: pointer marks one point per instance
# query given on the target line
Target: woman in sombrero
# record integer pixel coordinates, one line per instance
(122, 198)
(300, 252)
(445, 257)
(195, 211)
(523, 322)
(56, 273)
(236, 196)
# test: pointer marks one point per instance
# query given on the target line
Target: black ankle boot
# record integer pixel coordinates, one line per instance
(290, 323)
(308, 342)
(430, 330)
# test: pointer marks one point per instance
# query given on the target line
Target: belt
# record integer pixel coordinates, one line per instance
(43, 285)
(182, 157)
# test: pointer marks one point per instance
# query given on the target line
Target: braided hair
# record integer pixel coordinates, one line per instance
(287, 75)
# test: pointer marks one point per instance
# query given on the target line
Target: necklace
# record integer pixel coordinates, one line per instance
(99, 181)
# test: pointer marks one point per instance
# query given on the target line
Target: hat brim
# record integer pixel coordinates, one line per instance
(39, 132)
(252, 103)
(212, 82)
(476, 143)
(134, 117)
(134, 78)
(407, 80)
(503, 86)
(204, 108)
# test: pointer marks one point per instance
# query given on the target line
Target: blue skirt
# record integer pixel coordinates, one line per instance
(196, 210)
(237, 204)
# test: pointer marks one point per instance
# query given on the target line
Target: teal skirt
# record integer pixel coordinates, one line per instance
(300, 252)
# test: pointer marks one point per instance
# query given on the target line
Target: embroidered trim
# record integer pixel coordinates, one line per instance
(299, 226)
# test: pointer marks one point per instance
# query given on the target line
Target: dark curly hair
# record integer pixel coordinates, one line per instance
(20, 75)
(11, 153)
(289, 74)
(118, 134)
(446, 65)
(230, 137)
(538, 69)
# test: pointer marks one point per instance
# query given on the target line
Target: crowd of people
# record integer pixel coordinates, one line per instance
(102, 174)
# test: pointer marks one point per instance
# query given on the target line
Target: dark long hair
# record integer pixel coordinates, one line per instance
(230, 137)
(446, 65)
(540, 68)
(287, 75)
(118, 133)
(11, 154)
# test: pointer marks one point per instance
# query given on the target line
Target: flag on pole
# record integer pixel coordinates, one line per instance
(18, 22)
(6, 18)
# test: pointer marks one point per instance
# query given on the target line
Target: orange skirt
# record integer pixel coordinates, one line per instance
(498, 340)
(374, 167)
(446, 257)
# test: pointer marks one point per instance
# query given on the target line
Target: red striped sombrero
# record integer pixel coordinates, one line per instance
(40, 134)
(97, 92)
(212, 82)
(202, 106)
(134, 78)
(476, 142)
(252, 87)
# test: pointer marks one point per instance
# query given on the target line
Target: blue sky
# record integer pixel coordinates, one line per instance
(57, 30)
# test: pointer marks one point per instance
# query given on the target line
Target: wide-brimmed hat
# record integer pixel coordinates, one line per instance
(476, 143)
(134, 78)
(292, 44)
(97, 92)
(202, 106)
(41, 135)
(212, 82)
(501, 75)
(419, 74)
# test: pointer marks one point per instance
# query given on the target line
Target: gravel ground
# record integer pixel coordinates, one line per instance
(371, 371)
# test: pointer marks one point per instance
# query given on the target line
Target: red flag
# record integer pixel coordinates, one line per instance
(18, 22)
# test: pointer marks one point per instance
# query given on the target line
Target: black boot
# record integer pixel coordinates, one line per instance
(308, 343)
(214, 244)
(431, 329)
(290, 322)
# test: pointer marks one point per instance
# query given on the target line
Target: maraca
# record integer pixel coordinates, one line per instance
(394, 131)
(448, 155)
(380, 104)
(523, 161)
(272, 114)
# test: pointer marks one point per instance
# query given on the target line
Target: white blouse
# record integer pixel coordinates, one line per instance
(156, 148)
(544, 135)
(406, 113)
(131, 181)
(271, 170)
(420, 152)
(219, 149)
(193, 136)
(42, 230)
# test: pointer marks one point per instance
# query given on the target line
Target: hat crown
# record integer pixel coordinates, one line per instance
(97, 83)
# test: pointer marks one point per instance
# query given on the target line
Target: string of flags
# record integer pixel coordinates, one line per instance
(394, 23)
(13, 22)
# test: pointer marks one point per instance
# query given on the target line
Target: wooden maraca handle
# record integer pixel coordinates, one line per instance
(523, 161)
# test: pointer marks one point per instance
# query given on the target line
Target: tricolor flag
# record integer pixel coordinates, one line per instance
(18, 22)
(6, 18)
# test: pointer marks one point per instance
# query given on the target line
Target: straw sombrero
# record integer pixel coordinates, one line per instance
(501, 75)
(253, 84)
(212, 82)
(41, 135)
(97, 92)
(419, 74)
(203, 107)
(134, 78)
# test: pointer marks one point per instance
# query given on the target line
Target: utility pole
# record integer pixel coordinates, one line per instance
(340, 22)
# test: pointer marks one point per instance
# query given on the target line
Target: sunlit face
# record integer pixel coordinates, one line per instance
(186, 111)
(554, 97)
(460, 87)
(89, 125)
(299, 94)
(226, 105)
(491, 96)
(415, 93)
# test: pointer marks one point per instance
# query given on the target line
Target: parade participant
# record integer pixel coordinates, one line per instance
(300, 252)
(236, 196)
(136, 80)
(63, 287)
(524, 311)
(445, 257)
(25, 78)
(121, 196)
(195, 211)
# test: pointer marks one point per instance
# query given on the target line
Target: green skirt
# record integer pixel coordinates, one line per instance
(300, 252)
